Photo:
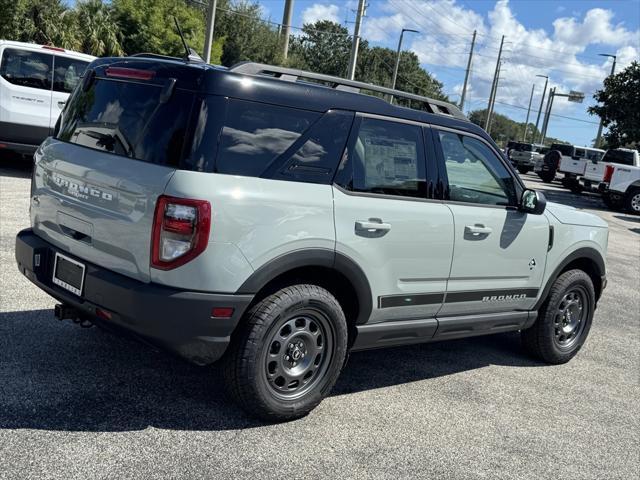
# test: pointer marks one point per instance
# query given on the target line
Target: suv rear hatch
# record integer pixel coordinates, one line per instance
(116, 146)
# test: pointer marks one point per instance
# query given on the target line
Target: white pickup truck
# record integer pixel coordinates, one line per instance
(574, 165)
(622, 187)
(593, 178)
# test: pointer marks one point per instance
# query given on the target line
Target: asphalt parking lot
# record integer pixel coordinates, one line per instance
(82, 403)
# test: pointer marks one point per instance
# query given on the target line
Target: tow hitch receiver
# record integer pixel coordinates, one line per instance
(64, 312)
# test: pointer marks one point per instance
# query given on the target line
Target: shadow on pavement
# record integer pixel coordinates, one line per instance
(57, 376)
(15, 166)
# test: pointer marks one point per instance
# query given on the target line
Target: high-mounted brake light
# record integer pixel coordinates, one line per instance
(181, 229)
(608, 173)
(132, 73)
(55, 49)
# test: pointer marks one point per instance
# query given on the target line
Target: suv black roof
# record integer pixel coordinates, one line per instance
(290, 87)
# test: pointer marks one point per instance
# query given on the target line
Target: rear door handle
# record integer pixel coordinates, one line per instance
(61, 104)
(372, 225)
(478, 229)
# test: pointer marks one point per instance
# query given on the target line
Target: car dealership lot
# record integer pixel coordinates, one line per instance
(83, 403)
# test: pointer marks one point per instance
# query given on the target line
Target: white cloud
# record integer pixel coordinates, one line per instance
(445, 39)
(596, 28)
(318, 11)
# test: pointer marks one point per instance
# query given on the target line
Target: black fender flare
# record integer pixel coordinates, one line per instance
(588, 253)
(314, 257)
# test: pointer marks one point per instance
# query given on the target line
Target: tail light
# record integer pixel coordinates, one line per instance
(180, 231)
(608, 173)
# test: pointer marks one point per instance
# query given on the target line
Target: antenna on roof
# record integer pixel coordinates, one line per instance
(190, 54)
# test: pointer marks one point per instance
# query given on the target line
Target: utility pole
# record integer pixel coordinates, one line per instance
(526, 122)
(353, 58)
(395, 70)
(494, 86)
(544, 92)
(547, 115)
(493, 102)
(613, 69)
(466, 75)
(286, 24)
(208, 35)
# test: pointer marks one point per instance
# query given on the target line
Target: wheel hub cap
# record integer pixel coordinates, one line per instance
(635, 202)
(570, 317)
(298, 354)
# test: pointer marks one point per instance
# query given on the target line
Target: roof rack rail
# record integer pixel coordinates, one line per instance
(292, 75)
(155, 55)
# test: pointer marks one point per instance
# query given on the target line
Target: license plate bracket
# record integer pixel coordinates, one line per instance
(68, 274)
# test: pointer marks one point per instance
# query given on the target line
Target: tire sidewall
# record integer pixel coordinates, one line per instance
(567, 282)
(286, 309)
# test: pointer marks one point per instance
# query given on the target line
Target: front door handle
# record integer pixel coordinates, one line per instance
(477, 229)
(372, 225)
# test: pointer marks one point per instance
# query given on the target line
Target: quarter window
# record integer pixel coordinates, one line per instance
(385, 157)
(475, 173)
(26, 68)
(255, 134)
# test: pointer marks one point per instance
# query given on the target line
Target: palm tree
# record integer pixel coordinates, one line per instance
(98, 29)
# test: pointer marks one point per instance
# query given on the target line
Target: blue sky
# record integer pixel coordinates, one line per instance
(560, 39)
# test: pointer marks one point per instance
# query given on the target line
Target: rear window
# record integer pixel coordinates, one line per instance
(563, 149)
(619, 156)
(129, 119)
(26, 68)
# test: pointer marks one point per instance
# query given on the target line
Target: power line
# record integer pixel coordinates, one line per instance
(553, 114)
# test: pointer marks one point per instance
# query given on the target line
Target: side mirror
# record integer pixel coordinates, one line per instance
(533, 202)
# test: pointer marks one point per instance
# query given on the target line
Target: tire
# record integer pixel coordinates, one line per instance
(547, 177)
(298, 334)
(576, 188)
(632, 201)
(523, 170)
(554, 338)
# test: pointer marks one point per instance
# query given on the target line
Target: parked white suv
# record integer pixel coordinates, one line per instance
(35, 82)
(252, 216)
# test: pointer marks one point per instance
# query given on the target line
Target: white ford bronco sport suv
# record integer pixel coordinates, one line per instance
(277, 219)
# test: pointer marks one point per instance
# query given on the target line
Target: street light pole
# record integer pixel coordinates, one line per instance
(544, 92)
(395, 70)
(613, 69)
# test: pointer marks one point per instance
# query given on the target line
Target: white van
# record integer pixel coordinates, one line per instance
(35, 82)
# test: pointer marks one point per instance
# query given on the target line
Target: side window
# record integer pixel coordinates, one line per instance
(67, 73)
(476, 174)
(27, 69)
(255, 134)
(385, 157)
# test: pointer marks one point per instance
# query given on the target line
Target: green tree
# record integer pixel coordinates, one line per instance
(245, 36)
(323, 47)
(47, 22)
(504, 129)
(148, 26)
(619, 107)
(376, 66)
(99, 33)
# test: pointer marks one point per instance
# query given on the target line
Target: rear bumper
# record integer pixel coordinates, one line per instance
(592, 184)
(173, 319)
